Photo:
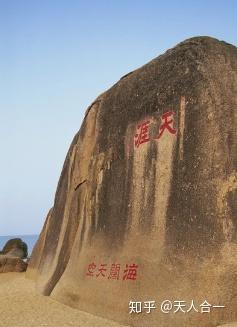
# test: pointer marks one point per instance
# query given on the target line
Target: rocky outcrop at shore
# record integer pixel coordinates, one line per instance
(15, 247)
(145, 207)
(12, 255)
(12, 264)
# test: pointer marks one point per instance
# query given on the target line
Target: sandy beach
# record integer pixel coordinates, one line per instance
(21, 306)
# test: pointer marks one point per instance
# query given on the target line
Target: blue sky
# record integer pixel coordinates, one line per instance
(55, 58)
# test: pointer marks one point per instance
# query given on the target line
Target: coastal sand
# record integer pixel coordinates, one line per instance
(21, 306)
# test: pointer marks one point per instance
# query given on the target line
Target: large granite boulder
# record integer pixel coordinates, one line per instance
(15, 247)
(145, 208)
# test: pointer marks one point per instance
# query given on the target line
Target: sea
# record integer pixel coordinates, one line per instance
(30, 240)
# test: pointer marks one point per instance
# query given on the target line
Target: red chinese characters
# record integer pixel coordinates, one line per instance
(130, 272)
(91, 269)
(142, 135)
(167, 125)
(114, 272)
(102, 270)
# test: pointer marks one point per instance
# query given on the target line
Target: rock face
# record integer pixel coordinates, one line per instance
(16, 248)
(145, 208)
(11, 264)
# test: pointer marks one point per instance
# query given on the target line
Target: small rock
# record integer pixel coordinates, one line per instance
(15, 248)
(12, 264)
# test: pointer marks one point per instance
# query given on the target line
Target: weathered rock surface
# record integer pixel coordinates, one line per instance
(145, 207)
(16, 248)
(11, 264)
